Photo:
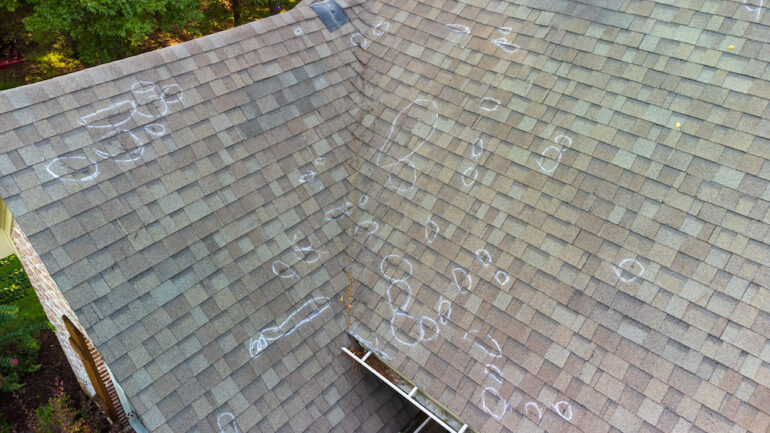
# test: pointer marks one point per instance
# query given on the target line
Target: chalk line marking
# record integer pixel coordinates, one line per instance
(431, 230)
(502, 277)
(393, 298)
(484, 257)
(308, 250)
(443, 318)
(382, 26)
(428, 328)
(537, 408)
(559, 149)
(308, 177)
(504, 30)
(477, 148)
(366, 225)
(489, 103)
(558, 404)
(359, 40)
(112, 121)
(468, 181)
(396, 256)
(373, 346)
(68, 171)
(757, 9)
(339, 211)
(363, 200)
(298, 31)
(619, 270)
(495, 373)
(508, 47)
(499, 404)
(405, 160)
(307, 312)
(464, 275)
(320, 160)
(231, 423)
(459, 28)
(286, 268)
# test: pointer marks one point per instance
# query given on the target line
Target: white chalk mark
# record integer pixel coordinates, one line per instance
(424, 328)
(298, 31)
(115, 109)
(537, 408)
(494, 352)
(402, 336)
(489, 103)
(307, 312)
(373, 346)
(469, 180)
(286, 272)
(502, 277)
(495, 373)
(458, 274)
(619, 270)
(308, 177)
(405, 159)
(469, 332)
(167, 89)
(477, 148)
(563, 137)
(388, 259)
(756, 9)
(370, 226)
(320, 160)
(484, 257)
(560, 150)
(556, 163)
(339, 211)
(558, 404)
(407, 298)
(363, 200)
(459, 28)
(428, 328)
(508, 47)
(381, 28)
(61, 169)
(113, 121)
(444, 316)
(155, 129)
(230, 423)
(431, 230)
(359, 40)
(302, 253)
(504, 30)
(500, 405)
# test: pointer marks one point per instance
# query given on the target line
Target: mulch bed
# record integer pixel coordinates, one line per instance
(39, 387)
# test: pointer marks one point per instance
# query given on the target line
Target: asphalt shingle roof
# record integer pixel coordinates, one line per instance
(555, 213)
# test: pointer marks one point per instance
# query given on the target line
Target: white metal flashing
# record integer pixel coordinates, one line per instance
(408, 397)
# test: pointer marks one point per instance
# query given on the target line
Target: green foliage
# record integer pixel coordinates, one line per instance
(10, 5)
(20, 322)
(103, 30)
(60, 60)
(57, 416)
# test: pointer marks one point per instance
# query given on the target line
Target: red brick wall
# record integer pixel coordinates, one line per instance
(55, 306)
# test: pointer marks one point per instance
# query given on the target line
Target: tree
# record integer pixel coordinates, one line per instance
(99, 31)
(275, 7)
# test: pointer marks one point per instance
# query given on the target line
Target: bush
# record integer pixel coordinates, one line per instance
(57, 416)
(19, 325)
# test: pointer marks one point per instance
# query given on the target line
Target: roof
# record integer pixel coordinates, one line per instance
(555, 213)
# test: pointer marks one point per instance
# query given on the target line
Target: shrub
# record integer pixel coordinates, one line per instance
(57, 416)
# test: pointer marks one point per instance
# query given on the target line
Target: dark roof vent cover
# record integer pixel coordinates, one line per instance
(331, 14)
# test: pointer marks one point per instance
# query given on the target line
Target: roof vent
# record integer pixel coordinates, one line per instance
(331, 14)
